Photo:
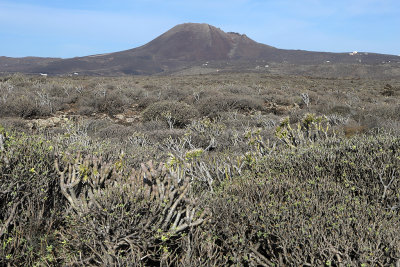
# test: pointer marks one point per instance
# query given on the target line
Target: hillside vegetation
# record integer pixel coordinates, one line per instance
(211, 170)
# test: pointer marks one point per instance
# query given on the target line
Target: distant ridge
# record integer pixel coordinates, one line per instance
(185, 45)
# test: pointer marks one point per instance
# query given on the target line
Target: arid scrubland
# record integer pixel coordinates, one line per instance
(237, 169)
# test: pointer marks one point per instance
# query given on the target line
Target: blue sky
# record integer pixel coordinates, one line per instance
(54, 28)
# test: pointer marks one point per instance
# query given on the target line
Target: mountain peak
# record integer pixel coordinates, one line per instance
(198, 42)
(191, 25)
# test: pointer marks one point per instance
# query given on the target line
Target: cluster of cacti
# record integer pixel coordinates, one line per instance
(123, 211)
(310, 129)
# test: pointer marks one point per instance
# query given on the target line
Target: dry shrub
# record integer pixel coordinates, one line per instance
(158, 136)
(340, 110)
(180, 113)
(115, 131)
(389, 111)
(146, 101)
(23, 106)
(173, 93)
(351, 130)
(148, 126)
(237, 90)
(111, 102)
(15, 124)
(214, 105)
(94, 126)
(297, 115)
(389, 90)
(284, 100)
(86, 110)
(151, 87)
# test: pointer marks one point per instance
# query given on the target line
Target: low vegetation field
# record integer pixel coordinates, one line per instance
(228, 169)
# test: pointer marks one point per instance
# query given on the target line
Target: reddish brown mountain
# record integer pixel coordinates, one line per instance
(199, 42)
(184, 46)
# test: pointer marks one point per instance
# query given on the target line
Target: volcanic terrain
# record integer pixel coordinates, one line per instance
(202, 47)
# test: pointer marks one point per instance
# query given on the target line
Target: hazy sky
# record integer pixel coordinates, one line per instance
(56, 28)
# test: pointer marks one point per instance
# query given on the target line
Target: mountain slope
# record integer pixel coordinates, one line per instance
(183, 46)
(23, 64)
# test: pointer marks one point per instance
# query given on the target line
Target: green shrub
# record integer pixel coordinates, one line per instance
(31, 201)
(336, 201)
